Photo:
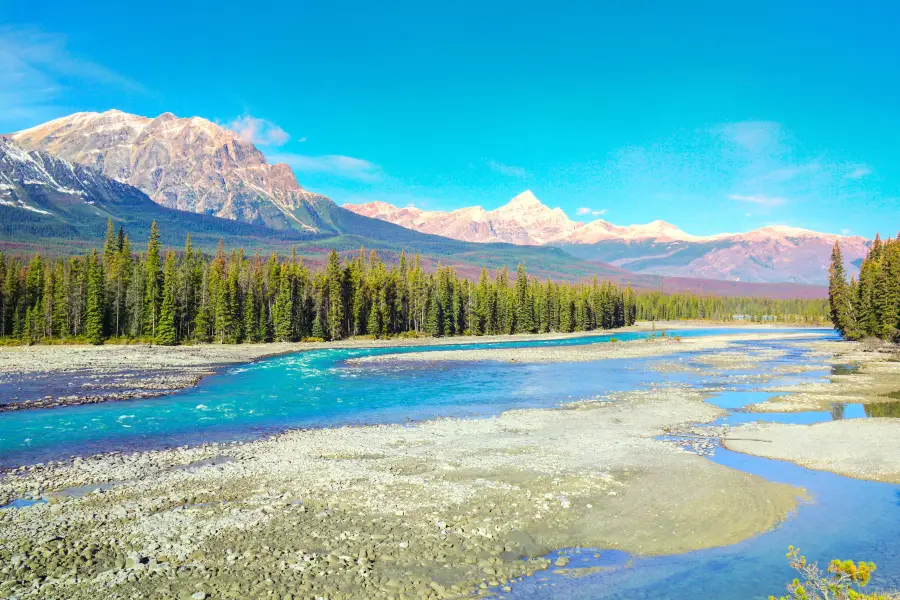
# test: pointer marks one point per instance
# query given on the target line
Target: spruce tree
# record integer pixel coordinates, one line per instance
(334, 277)
(434, 320)
(165, 331)
(153, 282)
(93, 317)
(839, 300)
(524, 322)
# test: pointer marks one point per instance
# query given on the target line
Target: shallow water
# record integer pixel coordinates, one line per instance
(316, 389)
(842, 518)
(845, 518)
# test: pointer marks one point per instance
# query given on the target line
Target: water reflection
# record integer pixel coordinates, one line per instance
(883, 409)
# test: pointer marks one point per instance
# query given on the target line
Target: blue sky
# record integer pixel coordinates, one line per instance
(715, 116)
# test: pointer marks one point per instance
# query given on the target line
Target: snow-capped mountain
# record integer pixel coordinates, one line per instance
(768, 255)
(524, 221)
(26, 177)
(190, 164)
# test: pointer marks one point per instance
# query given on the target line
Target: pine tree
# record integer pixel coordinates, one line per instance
(524, 311)
(839, 299)
(153, 282)
(434, 320)
(93, 317)
(165, 331)
(334, 277)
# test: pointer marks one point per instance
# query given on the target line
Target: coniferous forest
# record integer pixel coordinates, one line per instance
(170, 298)
(870, 306)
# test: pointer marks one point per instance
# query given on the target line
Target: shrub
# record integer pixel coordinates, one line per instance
(842, 581)
(313, 339)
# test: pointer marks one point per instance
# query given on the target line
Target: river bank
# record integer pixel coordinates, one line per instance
(437, 509)
(658, 345)
(65, 375)
(860, 448)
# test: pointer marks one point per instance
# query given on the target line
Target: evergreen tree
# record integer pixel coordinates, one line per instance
(334, 277)
(434, 320)
(93, 322)
(524, 308)
(165, 331)
(153, 282)
(839, 295)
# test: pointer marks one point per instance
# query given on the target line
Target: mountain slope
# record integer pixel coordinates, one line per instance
(54, 207)
(767, 255)
(46, 201)
(523, 221)
(188, 164)
(49, 204)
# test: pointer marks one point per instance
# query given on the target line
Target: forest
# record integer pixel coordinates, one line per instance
(168, 297)
(869, 306)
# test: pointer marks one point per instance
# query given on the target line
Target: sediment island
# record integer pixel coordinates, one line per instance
(444, 508)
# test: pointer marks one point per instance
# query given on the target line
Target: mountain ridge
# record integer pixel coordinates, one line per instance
(769, 254)
(190, 164)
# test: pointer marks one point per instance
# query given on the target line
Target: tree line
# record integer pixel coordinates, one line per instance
(869, 306)
(170, 298)
(658, 306)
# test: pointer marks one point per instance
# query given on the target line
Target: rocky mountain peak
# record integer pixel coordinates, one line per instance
(190, 164)
(525, 199)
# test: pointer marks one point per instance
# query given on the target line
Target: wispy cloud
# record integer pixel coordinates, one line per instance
(38, 69)
(859, 171)
(346, 167)
(758, 199)
(752, 136)
(590, 211)
(508, 170)
(259, 131)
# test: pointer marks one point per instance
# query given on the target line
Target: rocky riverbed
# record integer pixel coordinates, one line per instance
(439, 509)
(52, 376)
(656, 345)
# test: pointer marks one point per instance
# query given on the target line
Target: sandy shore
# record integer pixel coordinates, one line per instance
(50, 376)
(860, 448)
(659, 346)
(439, 509)
(869, 377)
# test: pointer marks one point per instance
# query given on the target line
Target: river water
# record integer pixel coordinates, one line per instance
(842, 517)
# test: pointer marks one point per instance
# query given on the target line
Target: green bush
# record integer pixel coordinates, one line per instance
(842, 581)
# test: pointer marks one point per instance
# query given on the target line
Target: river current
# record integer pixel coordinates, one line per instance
(841, 517)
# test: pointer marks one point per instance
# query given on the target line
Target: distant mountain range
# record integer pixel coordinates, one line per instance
(771, 254)
(61, 181)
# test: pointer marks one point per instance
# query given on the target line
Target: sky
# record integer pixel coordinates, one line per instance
(714, 116)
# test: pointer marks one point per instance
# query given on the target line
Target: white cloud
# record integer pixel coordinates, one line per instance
(752, 136)
(508, 170)
(345, 167)
(259, 131)
(859, 171)
(758, 199)
(37, 71)
(590, 211)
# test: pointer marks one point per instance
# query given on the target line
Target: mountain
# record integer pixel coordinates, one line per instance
(189, 164)
(52, 206)
(768, 255)
(523, 221)
(47, 202)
